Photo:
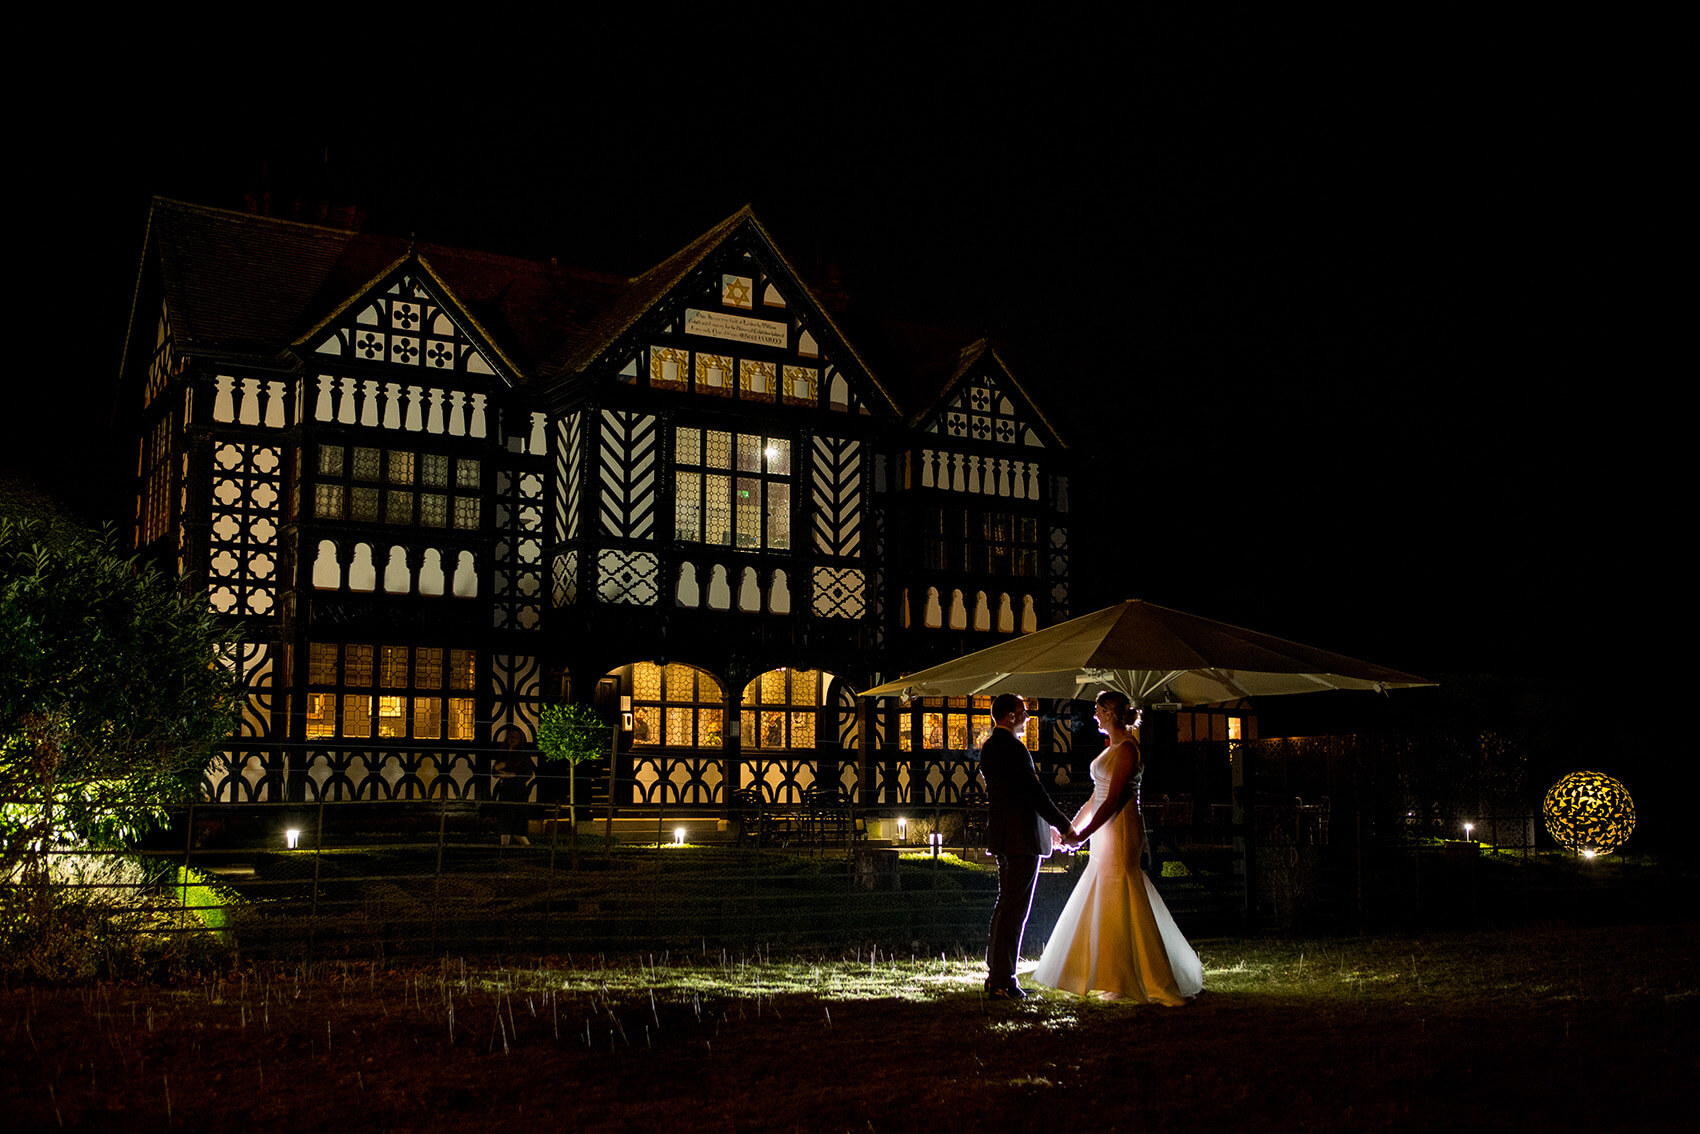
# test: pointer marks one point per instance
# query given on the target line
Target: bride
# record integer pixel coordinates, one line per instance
(1115, 935)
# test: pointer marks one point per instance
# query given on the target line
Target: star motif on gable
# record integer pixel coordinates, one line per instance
(736, 292)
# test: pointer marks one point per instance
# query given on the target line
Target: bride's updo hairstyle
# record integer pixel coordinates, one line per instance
(1118, 704)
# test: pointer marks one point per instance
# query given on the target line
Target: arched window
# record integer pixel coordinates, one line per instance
(781, 707)
(675, 705)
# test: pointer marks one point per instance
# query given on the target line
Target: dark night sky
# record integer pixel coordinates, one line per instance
(1366, 320)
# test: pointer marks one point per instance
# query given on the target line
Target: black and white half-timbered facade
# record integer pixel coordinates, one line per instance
(441, 488)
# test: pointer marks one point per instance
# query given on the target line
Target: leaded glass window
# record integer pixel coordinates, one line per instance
(954, 724)
(368, 485)
(390, 691)
(732, 489)
(676, 705)
(780, 708)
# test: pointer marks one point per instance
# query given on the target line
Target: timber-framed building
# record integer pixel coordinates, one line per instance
(441, 488)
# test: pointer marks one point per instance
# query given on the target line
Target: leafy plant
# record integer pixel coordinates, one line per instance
(112, 696)
(573, 733)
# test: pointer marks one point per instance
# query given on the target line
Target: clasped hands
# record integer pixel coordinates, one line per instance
(1068, 840)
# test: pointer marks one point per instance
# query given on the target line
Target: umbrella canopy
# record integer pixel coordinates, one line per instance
(1151, 653)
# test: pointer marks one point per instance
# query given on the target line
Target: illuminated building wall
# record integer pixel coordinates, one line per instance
(440, 487)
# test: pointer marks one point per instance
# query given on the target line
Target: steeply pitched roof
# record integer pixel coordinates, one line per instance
(238, 284)
(243, 284)
(652, 286)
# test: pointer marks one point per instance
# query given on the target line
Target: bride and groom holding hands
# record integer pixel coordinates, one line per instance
(1115, 935)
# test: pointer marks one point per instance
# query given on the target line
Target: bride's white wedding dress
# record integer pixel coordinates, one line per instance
(1115, 934)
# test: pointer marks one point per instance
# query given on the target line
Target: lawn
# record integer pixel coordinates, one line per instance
(1580, 1027)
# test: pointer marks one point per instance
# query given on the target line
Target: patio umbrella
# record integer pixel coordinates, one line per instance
(1151, 653)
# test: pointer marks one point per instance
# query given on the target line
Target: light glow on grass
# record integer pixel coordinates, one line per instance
(868, 975)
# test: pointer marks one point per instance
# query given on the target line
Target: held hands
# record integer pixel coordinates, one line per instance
(1068, 840)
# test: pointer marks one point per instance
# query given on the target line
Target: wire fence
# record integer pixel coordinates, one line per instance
(398, 878)
(1314, 838)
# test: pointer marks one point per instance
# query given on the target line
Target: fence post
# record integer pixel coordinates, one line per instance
(188, 844)
(608, 827)
(318, 850)
(554, 837)
(437, 879)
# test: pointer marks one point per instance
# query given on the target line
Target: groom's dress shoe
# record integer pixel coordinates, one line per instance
(1006, 992)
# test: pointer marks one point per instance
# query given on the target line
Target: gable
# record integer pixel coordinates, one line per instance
(985, 404)
(735, 323)
(408, 321)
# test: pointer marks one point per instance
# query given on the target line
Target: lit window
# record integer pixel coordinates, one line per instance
(466, 512)
(321, 714)
(427, 718)
(321, 663)
(460, 718)
(357, 715)
(363, 505)
(392, 716)
(749, 510)
(676, 705)
(779, 708)
(433, 510)
(375, 691)
(461, 669)
(327, 501)
(955, 724)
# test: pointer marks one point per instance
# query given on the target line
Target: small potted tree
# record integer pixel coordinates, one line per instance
(573, 733)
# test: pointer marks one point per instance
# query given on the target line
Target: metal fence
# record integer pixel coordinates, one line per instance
(1324, 832)
(381, 878)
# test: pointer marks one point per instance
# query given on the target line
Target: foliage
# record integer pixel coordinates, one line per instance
(112, 695)
(114, 914)
(573, 733)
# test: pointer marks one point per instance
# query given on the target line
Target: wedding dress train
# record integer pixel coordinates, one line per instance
(1115, 934)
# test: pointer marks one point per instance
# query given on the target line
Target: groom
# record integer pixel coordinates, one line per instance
(1018, 831)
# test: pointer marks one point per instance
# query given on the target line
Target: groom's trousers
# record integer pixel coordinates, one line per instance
(1017, 875)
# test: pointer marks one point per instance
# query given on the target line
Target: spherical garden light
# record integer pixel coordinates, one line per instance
(1589, 813)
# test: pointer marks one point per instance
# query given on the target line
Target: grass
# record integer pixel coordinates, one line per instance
(1552, 1025)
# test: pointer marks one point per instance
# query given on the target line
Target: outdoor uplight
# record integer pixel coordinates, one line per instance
(937, 841)
(1468, 827)
(1589, 813)
(292, 838)
(678, 836)
(902, 829)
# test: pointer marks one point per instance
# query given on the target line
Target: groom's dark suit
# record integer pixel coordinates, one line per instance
(1018, 830)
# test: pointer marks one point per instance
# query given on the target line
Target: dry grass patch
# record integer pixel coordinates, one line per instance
(1579, 1027)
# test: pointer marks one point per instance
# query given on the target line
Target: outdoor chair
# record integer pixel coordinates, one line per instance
(827, 816)
(976, 815)
(747, 812)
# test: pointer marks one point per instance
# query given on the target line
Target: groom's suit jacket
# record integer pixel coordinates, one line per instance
(1020, 813)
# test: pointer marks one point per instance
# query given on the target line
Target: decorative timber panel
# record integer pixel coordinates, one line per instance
(516, 691)
(406, 325)
(838, 496)
(242, 546)
(629, 459)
